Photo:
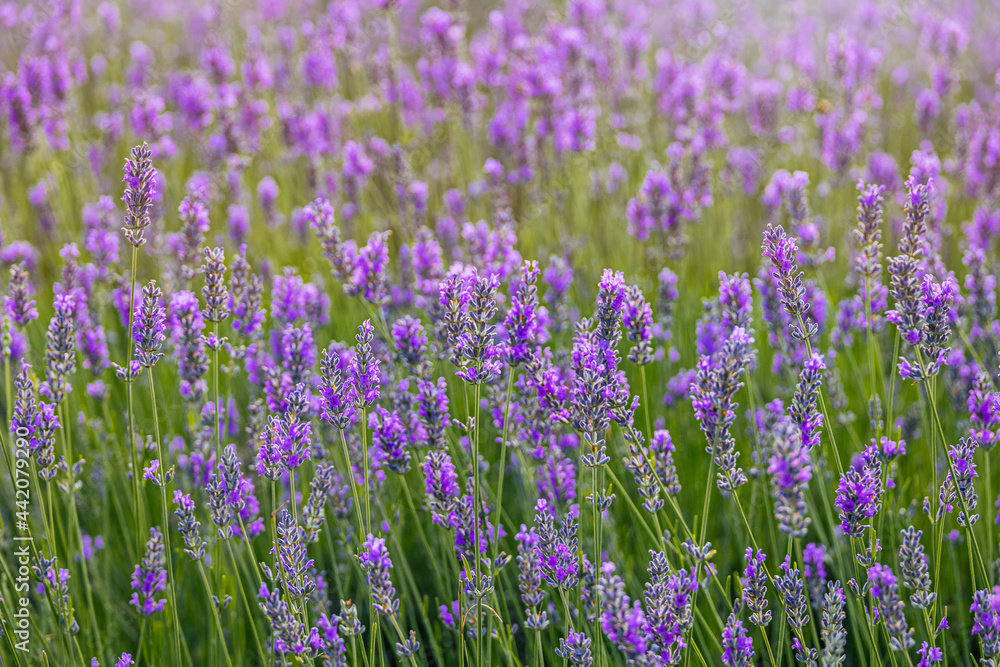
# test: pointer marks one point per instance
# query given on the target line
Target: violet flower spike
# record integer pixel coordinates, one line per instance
(150, 576)
(214, 291)
(781, 250)
(885, 593)
(150, 326)
(138, 197)
(737, 646)
(376, 565)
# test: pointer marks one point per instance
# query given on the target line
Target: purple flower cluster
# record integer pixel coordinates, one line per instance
(150, 576)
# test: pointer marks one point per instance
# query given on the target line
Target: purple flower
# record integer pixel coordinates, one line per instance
(803, 410)
(441, 483)
(814, 571)
(375, 563)
(832, 624)
(149, 326)
(22, 422)
(287, 440)
(637, 320)
(337, 391)
(411, 345)
(245, 297)
(591, 400)
(913, 563)
(60, 350)
(984, 412)
(290, 635)
(186, 324)
(432, 411)
(476, 346)
(932, 339)
(867, 263)
(754, 582)
(737, 648)
(610, 303)
(712, 397)
(298, 354)
(623, 622)
(909, 315)
(139, 193)
(929, 655)
(781, 250)
(959, 485)
(293, 560)
(791, 589)
(885, 592)
(524, 325)
(575, 647)
(150, 576)
(557, 546)
(859, 493)
(389, 434)
(790, 471)
(369, 278)
(18, 304)
(188, 525)
(530, 578)
(986, 620)
(669, 599)
(320, 217)
(364, 368)
(214, 291)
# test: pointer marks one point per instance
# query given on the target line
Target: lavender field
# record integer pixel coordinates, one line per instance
(584, 333)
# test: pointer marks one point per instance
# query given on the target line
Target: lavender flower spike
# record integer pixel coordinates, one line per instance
(780, 249)
(214, 291)
(790, 472)
(575, 648)
(150, 576)
(737, 646)
(138, 196)
(885, 592)
(376, 565)
(712, 396)
(150, 325)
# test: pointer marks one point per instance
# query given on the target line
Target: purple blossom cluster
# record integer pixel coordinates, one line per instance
(375, 302)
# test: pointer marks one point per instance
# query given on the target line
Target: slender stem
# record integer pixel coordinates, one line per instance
(71, 492)
(142, 636)
(364, 455)
(131, 416)
(215, 613)
(354, 486)
(503, 458)
(164, 467)
(961, 496)
(476, 530)
(989, 500)
(246, 606)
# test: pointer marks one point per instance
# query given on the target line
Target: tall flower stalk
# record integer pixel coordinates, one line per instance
(138, 198)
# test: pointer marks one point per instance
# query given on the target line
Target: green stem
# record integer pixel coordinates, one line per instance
(164, 467)
(131, 416)
(215, 613)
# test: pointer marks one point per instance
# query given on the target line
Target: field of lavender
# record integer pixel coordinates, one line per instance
(583, 333)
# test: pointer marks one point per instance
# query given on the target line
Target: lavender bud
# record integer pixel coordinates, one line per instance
(214, 291)
(138, 195)
(149, 326)
(885, 592)
(188, 525)
(150, 576)
(913, 564)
